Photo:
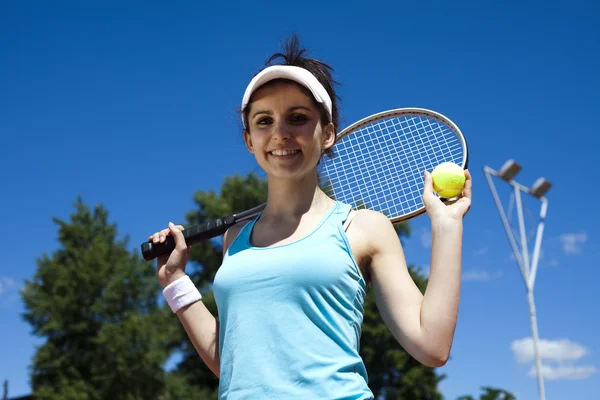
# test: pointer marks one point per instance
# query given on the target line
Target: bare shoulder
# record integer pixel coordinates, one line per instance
(370, 233)
(378, 244)
(375, 232)
(370, 222)
(231, 234)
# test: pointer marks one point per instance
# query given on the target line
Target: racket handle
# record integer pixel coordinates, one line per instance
(195, 234)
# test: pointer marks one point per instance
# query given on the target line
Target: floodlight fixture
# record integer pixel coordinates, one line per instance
(540, 187)
(509, 170)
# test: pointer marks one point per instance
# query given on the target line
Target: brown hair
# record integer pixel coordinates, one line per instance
(294, 55)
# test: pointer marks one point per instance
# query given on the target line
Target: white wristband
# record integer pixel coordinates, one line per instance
(181, 293)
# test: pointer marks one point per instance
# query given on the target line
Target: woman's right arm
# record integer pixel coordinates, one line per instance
(200, 325)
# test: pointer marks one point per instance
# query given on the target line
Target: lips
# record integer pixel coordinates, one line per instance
(284, 152)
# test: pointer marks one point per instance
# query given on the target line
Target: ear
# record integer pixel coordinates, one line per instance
(328, 136)
(248, 141)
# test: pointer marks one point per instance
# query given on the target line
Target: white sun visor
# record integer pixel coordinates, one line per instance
(296, 74)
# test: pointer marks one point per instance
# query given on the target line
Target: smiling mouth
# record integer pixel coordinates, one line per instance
(281, 153)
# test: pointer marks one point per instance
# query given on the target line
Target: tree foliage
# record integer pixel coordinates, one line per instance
(95, 304)
(491, 393)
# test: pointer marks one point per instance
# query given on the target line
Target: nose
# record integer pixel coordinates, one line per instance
(282, 130)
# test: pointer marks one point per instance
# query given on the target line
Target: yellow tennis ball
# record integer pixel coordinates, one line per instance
(448, 179)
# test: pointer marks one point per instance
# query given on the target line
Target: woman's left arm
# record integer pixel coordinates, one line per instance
(423, 324)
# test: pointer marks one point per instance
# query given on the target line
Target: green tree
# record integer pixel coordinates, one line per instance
(393, 373)
(96, 305)
(491, 393)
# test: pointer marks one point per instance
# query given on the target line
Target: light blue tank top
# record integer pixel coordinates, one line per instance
(290, 317)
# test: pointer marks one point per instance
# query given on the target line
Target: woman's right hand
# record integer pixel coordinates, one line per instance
(171, 267)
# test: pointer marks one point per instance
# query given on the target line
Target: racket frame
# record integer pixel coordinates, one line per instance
(416, 111)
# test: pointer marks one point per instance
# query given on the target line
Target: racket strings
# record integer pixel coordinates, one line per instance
(381, 165)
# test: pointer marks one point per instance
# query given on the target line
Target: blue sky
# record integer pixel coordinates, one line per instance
(132, 105)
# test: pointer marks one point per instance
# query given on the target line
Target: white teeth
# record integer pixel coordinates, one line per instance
(284, 152)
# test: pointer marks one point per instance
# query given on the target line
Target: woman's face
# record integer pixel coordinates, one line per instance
(284, 131)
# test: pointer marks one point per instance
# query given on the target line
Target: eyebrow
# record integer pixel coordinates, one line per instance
(268, 112)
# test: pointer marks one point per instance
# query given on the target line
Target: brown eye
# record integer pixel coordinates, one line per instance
(264, 121)
(297, 118)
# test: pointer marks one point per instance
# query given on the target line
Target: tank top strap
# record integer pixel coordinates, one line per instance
(242, 238)
(341, 214)
(246, 230)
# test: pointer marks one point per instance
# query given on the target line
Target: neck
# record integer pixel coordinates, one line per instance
(294, 198)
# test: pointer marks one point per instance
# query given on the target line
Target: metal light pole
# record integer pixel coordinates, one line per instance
(528, 270)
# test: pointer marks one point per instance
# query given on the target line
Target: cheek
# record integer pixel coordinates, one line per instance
(319, 139)
(310, 134)
(256, 140)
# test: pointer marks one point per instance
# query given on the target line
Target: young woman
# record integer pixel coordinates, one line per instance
(291, 287)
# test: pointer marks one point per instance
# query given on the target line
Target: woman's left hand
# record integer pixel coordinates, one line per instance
(449, 210)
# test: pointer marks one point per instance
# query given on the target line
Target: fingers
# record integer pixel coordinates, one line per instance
(178, 236)
(430, 200)
(468, 189)
(428, 184)
(161, 236)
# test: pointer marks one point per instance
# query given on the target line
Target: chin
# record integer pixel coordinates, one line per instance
(291, 170)
(289, 174)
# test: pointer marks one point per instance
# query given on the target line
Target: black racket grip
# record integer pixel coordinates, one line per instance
(192, 235)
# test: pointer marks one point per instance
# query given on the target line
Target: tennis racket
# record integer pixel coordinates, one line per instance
(378, 164)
